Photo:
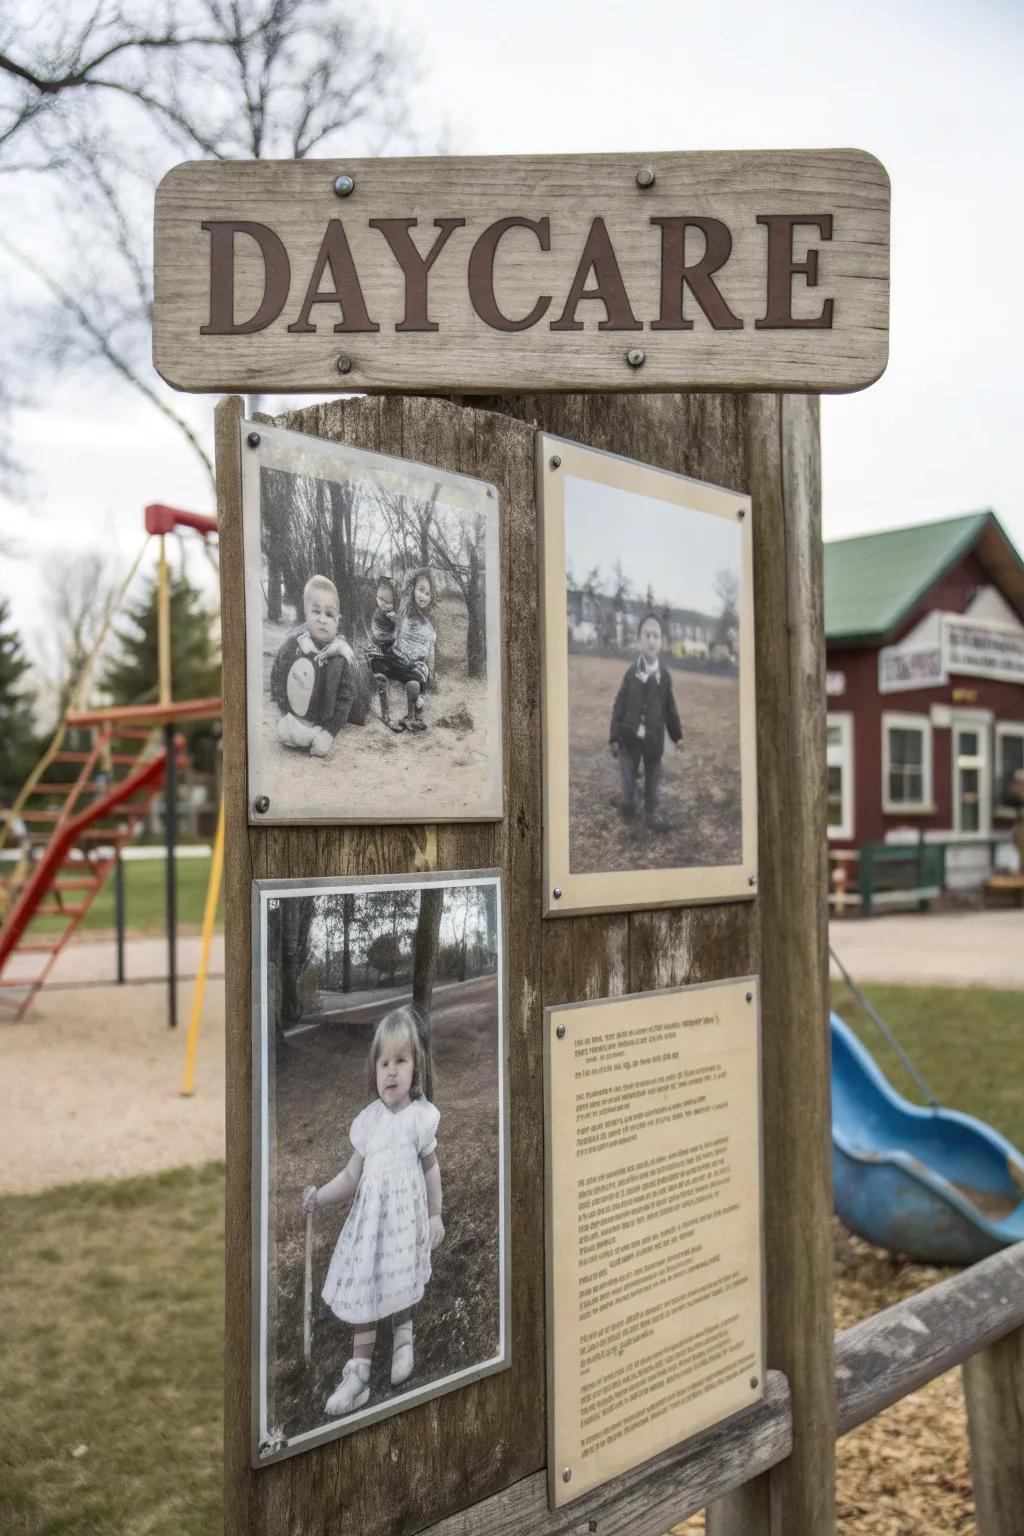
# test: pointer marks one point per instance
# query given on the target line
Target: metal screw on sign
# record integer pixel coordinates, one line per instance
(557, 892)
(560, 1031)
(567, 1474)
(741, 511)
(636, 357)
(750, 997)
(261, 804)
(344, 364)
(753, 1382)
(253, 439)
(751, 879)
(555, 463)
(344, 185)
(645, 177)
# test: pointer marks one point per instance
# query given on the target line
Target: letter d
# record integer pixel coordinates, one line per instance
(276, 277)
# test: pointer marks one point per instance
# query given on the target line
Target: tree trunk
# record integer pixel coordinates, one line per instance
(348, 906)
(476, 633)
(297, 922)
(424, 963)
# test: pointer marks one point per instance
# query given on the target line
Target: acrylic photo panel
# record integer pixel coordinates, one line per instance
(648, 685)
(373, 635)
(380, 1080)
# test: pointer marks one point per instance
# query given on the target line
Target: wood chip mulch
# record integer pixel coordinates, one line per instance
(906, 1472)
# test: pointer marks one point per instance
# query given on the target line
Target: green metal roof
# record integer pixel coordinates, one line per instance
(874, 582)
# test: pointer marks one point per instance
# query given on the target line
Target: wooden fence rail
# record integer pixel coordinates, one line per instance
(976, 1316)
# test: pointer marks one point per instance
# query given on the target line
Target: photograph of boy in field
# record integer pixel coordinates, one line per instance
(653, 637)
(373, 611)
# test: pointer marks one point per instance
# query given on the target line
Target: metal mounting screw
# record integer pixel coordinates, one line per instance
(344, 364)
(753, 1382)
(491, 491)
(556, 893)
(560, 1031)
(751, 879)
(636, 357)
(645, 177)
(741, 511)
(555, 463)
(750, 997)
(344, 186)
(567, 1474)
(253, 439)
(261, 804)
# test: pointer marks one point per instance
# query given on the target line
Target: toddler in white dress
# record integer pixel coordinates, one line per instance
(381, 1262)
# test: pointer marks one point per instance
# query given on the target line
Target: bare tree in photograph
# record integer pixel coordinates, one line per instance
(297, 913)
(726, 587)
(458, 545)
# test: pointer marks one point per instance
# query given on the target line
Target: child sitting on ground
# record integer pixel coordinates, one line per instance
(411, 656)
(311, 680)
(644, 709)
(383, 623)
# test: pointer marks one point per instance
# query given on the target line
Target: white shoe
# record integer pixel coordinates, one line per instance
(352, 1390)
(402, 1360)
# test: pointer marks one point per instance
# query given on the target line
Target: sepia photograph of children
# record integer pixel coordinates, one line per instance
(377, 627)
(383, 1172)
(653, 629)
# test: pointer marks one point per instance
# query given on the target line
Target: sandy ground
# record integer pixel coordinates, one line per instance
(433, 774)
(942, 949)
(91, 1087)
(700, 785)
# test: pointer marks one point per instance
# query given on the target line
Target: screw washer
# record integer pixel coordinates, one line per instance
(344, 185)
(343, 364)
(645, 177)
(261, 804)
(253, 439)
(560, 1031)
(555, 461)
(636, 357)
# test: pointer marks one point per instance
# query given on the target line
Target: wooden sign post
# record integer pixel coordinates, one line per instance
(482, 1450)
(514, 286)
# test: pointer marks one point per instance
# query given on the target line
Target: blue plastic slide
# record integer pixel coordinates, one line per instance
(933, 1184)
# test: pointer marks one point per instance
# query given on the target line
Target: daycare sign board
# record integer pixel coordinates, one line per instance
(764, 270)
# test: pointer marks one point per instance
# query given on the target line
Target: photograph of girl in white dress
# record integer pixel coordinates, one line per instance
(373, 636)
(383, 1277)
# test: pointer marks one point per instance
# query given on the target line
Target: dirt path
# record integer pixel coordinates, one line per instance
(90, 1087)
(941, 949)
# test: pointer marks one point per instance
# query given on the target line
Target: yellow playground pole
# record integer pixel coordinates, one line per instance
(209, 914)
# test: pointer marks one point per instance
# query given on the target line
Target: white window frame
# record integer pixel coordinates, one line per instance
(1004, 728)
(892, 720)
(844, 761)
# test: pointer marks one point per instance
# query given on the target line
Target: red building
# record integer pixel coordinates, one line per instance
(925, 655)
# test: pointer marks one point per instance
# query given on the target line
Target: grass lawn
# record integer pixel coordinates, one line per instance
(112, 1303)
(966, 1042)
(144, 898)
(113, 1341)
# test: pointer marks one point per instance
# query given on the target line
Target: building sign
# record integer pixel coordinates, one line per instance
(766, 270)
(835, 684)
(984, 650)
(966, 648)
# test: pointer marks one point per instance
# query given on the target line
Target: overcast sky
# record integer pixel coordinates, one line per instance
(675, 551)
(932, 87)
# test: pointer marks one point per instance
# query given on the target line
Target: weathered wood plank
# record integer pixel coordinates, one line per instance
(883, 1358)
(646, 1501)
(994, 1389)
(766, 446)
(445, 329)
(463, 1446)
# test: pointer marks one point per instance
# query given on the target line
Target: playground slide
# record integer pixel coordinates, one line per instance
(60, 845)
(934, 1184)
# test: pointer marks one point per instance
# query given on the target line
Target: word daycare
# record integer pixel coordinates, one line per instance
(502, 272)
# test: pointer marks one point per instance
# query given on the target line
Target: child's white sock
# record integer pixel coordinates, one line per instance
(402, 1359)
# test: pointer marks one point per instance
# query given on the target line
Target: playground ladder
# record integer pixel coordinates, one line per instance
(88, 821)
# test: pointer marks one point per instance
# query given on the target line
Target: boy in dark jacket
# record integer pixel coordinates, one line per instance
(644, 710)
(311, 679)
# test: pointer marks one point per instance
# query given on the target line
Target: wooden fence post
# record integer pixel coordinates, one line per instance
(994, 1389)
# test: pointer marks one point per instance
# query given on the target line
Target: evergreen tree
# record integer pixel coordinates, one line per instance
(18, 744)
(132, 676)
